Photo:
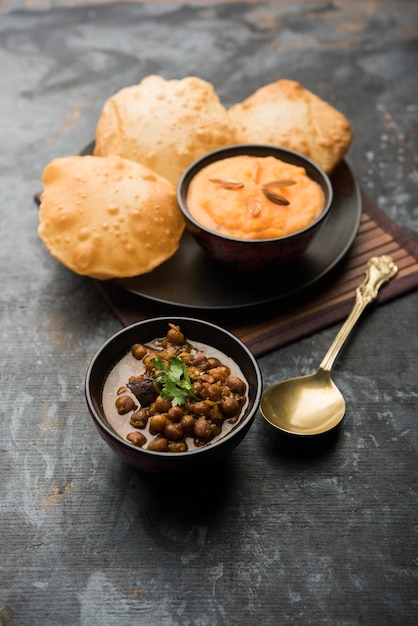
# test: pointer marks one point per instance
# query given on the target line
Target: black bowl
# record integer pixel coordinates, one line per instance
(255, 254)
(195, 330)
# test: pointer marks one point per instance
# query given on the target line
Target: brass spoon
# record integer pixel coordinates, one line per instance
(313, 404)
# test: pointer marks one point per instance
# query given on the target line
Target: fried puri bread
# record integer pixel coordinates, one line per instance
(286, 114)
(164, 124)
(108, 217)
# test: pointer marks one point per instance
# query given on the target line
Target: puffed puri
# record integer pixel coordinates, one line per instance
(164, 124)
(286, 114)
(108, 217)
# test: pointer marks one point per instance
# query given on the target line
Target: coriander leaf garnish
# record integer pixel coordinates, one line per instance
(175, 381)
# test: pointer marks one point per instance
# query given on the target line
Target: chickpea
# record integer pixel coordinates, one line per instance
(157, 423)
(139, 419)
(202, 408)
(159, 444)
(194, 372)
(220, 373)
(202, 429)
(139, 351)
(186, 357)
(201, 361)
(226, 392)
(198, 386)
(230, 406)
(206, 378)
(187, 423)
(162, 405)
(236, 385)
(137, 439)
(203, 390)
(175, 413)
(147, 361)
(175, 336)
(211, 392)
(178, 446)
(214, 362)
(125, 404)
(173, 432)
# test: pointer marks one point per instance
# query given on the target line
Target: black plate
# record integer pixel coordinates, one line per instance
(191, 279)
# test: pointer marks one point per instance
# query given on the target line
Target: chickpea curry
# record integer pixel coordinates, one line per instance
(172, 396)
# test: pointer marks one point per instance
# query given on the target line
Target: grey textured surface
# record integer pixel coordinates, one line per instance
(276, 536)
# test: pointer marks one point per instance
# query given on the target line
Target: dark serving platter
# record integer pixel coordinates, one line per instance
(191, 279)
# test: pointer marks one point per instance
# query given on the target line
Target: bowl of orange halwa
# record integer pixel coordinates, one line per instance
(254, 207)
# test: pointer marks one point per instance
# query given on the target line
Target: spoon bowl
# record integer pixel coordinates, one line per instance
(306, 405)
(313, 404)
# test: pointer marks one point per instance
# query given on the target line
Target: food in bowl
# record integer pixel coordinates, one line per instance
(108, 217)
(170, 395)
(197, 332)
(250, 197)
(271, 253)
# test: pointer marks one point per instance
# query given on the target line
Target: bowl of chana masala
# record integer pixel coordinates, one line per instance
(254, 207)
(170, 393)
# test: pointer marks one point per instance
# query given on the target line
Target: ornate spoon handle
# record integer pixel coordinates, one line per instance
(379, 270)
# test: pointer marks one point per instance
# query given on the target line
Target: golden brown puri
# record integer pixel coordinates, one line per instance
(286, 114)
(164, 124)
(108, 217)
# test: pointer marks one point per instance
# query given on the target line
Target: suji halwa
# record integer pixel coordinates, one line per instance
(248, 197)
(173, 396)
